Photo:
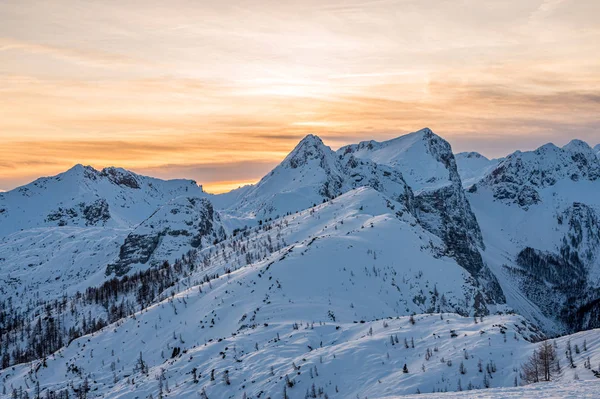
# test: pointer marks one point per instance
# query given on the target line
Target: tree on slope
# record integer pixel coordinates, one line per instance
(541, 365)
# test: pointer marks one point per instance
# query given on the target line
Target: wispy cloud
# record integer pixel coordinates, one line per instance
(86, 57)
(186, 90)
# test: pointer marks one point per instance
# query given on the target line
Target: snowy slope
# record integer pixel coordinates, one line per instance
(421, 156)
(539, 213)
(342, 272)
(83, 196)
(553, 390)
(472, 167)
(597, 150)
(341, 359)
(58, 234)
(351, 245)
(313, 271)
(428, 166)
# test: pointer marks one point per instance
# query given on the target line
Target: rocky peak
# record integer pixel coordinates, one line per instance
(121, 177)
(428, 166)
(527, 172)
(471, 155)
(310, 147)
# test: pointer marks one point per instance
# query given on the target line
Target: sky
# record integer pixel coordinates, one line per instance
(221, 91)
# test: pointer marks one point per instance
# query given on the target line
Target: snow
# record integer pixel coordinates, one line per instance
(572, 390)
(413, 154)
(348, 358)
(320, 264)
(564, 180)
(473, 166)
(130, 198)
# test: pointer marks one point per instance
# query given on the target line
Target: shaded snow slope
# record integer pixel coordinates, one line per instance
(473, 166)
(312, 274)
(422, 157)
(341, 359)
(565, 390)
(539, 213)
(83, 196)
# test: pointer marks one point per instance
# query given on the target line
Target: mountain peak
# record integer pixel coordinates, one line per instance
(425, 131)
(80, 168)
(472, 155)
(310, 147)
(546, 148)
(79, 171)
(577, 146)
(311, 139)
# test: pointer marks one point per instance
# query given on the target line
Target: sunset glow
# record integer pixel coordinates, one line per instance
(220, 92)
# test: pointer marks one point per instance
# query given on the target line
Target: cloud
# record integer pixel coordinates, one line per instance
(229, 172)
(184, 90)
(92, 58)
(546, 8)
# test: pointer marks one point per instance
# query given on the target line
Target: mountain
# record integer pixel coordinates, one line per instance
(597, 150)
(539, 213)
(312, 174)
(61, 235)
(329, 275)
(324, 306)
(472, 167)
(171, 231)
(84, 196)
(427, 163)
(309, 175)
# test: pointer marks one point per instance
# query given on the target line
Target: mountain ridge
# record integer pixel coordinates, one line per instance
(343, 247)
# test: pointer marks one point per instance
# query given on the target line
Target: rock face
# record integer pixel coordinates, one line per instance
(541, 209)
(181, 225)
(84, 196)
(93, 214)
(519, 177)
(121, 177)
(417, 170)
(427, 163)
(311, 174)
(567, 279)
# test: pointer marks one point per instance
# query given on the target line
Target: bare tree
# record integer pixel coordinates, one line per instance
(541, 364)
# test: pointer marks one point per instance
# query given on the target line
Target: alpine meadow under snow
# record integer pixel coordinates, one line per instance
(378, 270)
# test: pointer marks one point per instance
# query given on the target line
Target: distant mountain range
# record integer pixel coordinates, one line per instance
(305, 280)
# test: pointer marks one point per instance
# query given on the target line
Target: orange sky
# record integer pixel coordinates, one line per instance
(222, 91)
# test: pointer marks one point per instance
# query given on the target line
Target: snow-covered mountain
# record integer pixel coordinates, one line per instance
(539, 213)
(135, 286)
(312, 174)
(83, 196)
(68, 232)
(472, 166)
